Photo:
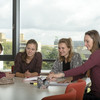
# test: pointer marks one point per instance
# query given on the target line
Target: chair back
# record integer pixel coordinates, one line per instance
(12, 68)
(79, 86)
(69, 95)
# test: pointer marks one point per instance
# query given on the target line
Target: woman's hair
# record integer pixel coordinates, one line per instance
(96, 39)
(24, 54)
(68, 42)
(1, 48)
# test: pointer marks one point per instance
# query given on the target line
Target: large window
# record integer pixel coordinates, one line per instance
(46, 21)
(6, 26)
(6, 32)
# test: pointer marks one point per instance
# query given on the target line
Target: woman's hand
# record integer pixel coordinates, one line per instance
(53, 76)
(9, 75)
(67, 80)
(27, 74)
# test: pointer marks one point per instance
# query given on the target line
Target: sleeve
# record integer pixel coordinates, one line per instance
(38, 65)
(57, 67)
(76, 60)
(91, 62)
(17, 63)
(2, 74)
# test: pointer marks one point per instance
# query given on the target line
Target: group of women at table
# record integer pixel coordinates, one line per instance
(69, 64)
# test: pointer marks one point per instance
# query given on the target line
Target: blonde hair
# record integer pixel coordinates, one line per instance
(68, 42)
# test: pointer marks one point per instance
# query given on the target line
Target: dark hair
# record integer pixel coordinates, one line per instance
(68, 42)
(1, 48)
(24, 54)
(96, 39)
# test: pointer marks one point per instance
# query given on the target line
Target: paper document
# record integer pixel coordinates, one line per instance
(34, 78)
(31, 78)
(58, 84)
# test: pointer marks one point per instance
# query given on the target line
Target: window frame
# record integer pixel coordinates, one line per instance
(15, 31)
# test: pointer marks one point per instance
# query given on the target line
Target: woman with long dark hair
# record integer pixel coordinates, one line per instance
(29, 62)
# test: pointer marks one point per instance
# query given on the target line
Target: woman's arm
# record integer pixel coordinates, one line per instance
(91, 62)
(2, 74)
(38, 64)
(29, 74)
(17, 62)
(18, 74)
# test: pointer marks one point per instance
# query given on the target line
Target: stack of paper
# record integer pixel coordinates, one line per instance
(58, 84)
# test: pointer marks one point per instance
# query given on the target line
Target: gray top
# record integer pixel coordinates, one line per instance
(58, 65)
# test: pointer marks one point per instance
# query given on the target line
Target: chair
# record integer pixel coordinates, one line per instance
(12, 68)
(79, 86)
(69, 95)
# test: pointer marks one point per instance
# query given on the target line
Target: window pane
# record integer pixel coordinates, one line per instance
(47, 21)
(6, 26)
(6, 65)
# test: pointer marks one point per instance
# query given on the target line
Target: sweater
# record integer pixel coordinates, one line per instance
(34, 66)
(92, 64)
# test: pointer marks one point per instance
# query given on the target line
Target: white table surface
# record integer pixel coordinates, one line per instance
(21, 90)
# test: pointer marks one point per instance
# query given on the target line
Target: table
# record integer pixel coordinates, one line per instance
(21, 90)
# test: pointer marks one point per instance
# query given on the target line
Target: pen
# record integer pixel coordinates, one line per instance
(33, 83)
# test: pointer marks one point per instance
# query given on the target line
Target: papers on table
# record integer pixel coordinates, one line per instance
(58, 84)
(52, 83)
(34, 78)
(31, 79)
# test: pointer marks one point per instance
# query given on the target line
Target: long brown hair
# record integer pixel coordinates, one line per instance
(1, 48)
(68, 42)
(96, 39)
(24, 54)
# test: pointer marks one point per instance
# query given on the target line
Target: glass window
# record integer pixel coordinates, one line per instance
(5, 33)
(6, 26)
(47, 21)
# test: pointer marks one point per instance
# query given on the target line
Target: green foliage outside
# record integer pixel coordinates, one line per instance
(7, 48)
(49, 53)
(7, 51)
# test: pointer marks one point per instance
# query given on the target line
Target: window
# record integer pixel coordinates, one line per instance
(9, 18)
(46, 21)
(5, 31)
(6, 26)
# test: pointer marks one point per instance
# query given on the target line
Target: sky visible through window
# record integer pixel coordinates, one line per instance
(45, 20)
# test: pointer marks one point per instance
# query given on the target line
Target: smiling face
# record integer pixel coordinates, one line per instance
(63, 49)
(30, 49)
(88, 41)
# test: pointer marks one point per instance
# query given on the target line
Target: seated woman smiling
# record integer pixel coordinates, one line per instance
(67, 59)
(29, 62)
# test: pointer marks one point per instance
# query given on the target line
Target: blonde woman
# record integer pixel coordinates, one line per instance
(67, 58)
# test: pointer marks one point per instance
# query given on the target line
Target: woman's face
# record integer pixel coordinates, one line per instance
(88, 41)
(30, 50)
(63, 49)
